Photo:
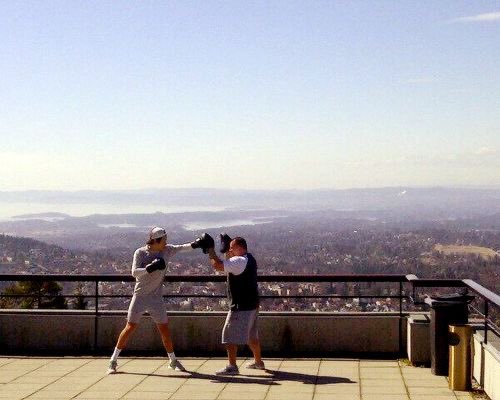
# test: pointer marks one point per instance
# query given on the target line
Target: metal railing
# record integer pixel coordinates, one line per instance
(97, 296)
(97, 279)
(489, 298)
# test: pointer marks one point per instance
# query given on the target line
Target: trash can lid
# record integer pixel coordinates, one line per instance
(454, 297)
(448, 299)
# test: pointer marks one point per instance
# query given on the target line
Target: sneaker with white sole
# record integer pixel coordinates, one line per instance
(176, 365)
(228, 370)
(256, 365)
(112, 367)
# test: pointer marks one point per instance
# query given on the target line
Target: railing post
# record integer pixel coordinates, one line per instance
(96, 314)
(485, 321)
(400, 317)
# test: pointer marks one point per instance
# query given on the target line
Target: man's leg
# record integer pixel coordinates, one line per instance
(165, 337)
(125, 335)
(228, 339)
(232, 349)
(167, 343)
(120, 345)
(254, 345)
(231, 368)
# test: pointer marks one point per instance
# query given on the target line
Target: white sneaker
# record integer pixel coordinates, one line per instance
(176, 365)
(228, 370)
(112, 367)
(256, 365)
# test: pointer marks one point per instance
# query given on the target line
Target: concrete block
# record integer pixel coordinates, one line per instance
(492, 372)
(486, 364)
(418, 339)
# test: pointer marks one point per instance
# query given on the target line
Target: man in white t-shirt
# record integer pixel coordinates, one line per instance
(240, 327)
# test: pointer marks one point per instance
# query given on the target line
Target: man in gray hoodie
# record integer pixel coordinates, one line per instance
(148, 269)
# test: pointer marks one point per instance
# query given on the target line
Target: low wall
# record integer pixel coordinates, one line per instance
(486, 364)
(198, 333)
(418, 338)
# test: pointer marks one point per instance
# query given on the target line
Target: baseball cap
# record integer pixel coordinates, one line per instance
(157, 233)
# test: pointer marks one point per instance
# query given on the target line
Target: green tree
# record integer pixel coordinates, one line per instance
(44, 295)
(80, 303)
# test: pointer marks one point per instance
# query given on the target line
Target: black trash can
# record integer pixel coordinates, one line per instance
(446, 310)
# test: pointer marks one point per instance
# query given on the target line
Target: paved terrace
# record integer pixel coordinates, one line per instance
(149, 378)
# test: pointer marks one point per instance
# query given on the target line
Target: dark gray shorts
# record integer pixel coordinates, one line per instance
(240, 327)
(153, 305)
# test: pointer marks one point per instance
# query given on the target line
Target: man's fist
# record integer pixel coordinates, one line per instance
(225, 241)
(156, 265)
(204, 242)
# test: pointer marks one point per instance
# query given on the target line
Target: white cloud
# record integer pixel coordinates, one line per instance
(486, 17)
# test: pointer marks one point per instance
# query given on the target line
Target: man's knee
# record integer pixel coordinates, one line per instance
(130, 327)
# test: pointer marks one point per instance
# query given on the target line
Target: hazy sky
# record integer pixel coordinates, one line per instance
(254, 94)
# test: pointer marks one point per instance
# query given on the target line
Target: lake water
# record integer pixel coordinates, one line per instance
(9, 210)
(195, 226)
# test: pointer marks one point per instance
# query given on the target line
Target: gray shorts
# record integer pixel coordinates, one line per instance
(153, 305)
(240, 327)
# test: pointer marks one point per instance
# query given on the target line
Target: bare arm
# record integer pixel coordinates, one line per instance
(173, 249)
(215, 260)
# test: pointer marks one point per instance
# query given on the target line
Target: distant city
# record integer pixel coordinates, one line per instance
(438, 232)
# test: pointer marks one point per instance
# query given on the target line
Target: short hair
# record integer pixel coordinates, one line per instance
(239, 241)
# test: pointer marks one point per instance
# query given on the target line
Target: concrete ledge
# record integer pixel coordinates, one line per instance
(198, 333)
(418, 336)
(486, 364)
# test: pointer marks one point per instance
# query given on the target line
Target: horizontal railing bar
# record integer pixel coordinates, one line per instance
(492, 327)
(483, 292)
(438, 283)
(208, 296)
(490, 322)
(208, 278)
(477, 310)
(284, 296)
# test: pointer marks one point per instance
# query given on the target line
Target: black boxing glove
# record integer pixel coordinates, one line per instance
(156, 265)
(204, 242)
(225, 241)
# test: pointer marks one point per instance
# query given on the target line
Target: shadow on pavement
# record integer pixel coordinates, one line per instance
(271, 377)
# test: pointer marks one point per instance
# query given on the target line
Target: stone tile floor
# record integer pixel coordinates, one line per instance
(149, 378)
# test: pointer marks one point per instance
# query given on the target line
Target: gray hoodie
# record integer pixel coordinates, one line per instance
(151, 283)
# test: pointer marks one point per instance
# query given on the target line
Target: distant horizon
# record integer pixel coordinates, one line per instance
(200, 188)
(181, 200)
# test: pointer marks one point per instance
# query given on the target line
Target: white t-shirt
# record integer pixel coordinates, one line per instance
(235, 265)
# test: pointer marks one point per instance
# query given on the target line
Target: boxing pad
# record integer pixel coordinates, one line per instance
(225, 241)
(204, 242)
